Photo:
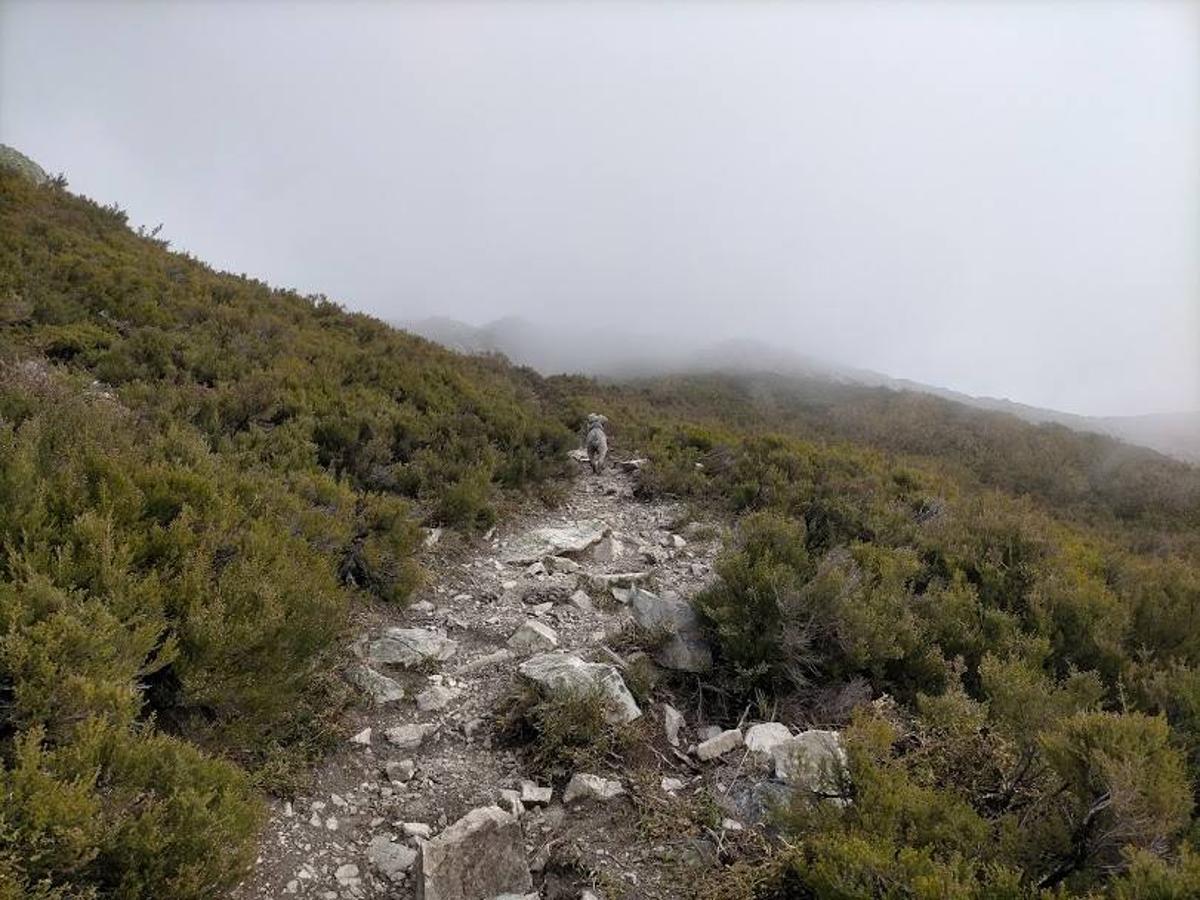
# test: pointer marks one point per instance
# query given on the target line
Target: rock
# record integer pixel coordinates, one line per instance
(533, 794)
(432, 536)
(678, 542)
(435, 697)
(408, 737)
(732, 825)
(561, 565)
(708, 732)
(390, 859)
(591, 787)
(685, 649)
(480, 855)
(377, 686)
(671, 785)
(756, 801)
(418, 830)
(632, 465)
(561, 671)
(618, 579)
(400, 772)
(533, 637)
(564, 540)
(486, 661)
(551, 589)
(582, 602)
(538, 568)
(18, 162)
(409, 647)
(347, 875)
(607, 550)
(672, 723)
(512, 799)
(720, 745)
(766, 736)
(621, 595)
(363, 738)
(813, 760)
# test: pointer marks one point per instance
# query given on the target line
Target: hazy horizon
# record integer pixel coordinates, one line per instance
(1002, 199)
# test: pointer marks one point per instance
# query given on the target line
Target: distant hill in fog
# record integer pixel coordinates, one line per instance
(612, 353)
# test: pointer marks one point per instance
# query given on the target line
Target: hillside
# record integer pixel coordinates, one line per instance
(879, 644)
(612, 352)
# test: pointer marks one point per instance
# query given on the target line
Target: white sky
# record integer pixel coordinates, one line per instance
(1001, 198)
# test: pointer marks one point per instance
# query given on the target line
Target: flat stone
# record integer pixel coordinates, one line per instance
(583, 786)
(408, 737)
(481, 855)
(533, 637)
(487, 661)
(564, 540)
(532, 794)
(561, 565)
(766, 736)
(363, 738)
(401, 771)
(561, 671)
(418, 830)
(410, 647)
(720, 745)
(390, 859)
(347, 875)
(602, 582)
(582, 602)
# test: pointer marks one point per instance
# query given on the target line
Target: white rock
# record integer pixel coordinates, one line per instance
(533, 794)
(381, 689)
(347, 875)
(533, 637)
(561, 671)
(554, 541)
(582, 602)
(719, 745)
(363, 738)
(418, 830)
(410, 647)
(672, 723)
(814, 760)
(408, 737)
(678, 541)
(671, 785)
(591, 787)
(766, 736)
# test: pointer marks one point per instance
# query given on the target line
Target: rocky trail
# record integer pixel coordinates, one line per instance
(425, 801)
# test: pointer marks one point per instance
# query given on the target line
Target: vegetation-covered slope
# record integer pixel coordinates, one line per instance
(199, 474)
(196, 475)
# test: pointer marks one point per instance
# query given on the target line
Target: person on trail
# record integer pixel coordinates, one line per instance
(596, 441)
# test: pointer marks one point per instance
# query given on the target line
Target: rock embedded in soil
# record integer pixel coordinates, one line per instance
(390, 859)
(565, 672)
(533, 637)
(408, 737)
(399, 772)
(673, 722)
(685, 648)
(410, 647)
(563, 540)
(720, 745)
(583, 786)
(813, 760)
(381, 689)
(435, 697)
(480, 855)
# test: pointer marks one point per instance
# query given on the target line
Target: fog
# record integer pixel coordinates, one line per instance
(1002, 199)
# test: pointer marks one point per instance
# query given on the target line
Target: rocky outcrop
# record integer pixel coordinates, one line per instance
(19, 162)
(684, 647)
(481, 855)
(564, 672)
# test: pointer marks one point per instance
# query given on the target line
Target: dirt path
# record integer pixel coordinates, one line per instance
(320, 845)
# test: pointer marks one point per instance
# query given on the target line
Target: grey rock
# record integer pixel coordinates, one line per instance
(19, 162)
(672, 724)
(533, 794)
(409, 647)
(390, 859)
(487, 661)
(812, 760)
(685, 648)
(551, 589)
(435, 697)
(533, 637)
(582, 602)
(363, 738)
(561, 671)
(480, 855)
(400, 771)
(583, 786)
(720, 745)
(603, 582)
(564, 540)
(408, 737)
(381, 689)
(418, 830)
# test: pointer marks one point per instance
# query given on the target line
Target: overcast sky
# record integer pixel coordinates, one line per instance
(998, 198)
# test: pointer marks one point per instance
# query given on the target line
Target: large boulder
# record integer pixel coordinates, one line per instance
(812, 760)
(564, 672)
(481, 855)
(684, 648)
(563, 540)
(409, 647)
